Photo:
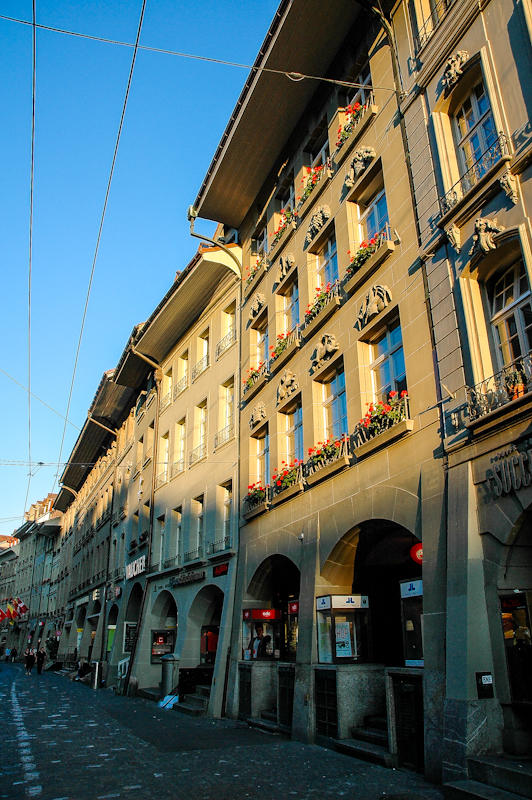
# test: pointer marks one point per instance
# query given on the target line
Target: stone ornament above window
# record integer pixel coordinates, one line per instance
(508, 183)
(453, 234)
(317, 221)
(257, 304)
(360, 161)
(374, 302)
(325, 349)
(485, 230)
(287, 385)
(454, 69)
(286, 263)
(258, 413)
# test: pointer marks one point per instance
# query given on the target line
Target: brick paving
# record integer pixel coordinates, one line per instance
(63, 741)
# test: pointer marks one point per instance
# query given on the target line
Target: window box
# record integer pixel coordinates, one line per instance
(326, 459)
(255, 275)
(382, 439)
(312, 182)
(293, 342)
(382, 424)
(354, 279)
(321, 310)
(327, 470)
(345, 129)
(255, 510)
(287, 224)
(255, 381)
(285, 494)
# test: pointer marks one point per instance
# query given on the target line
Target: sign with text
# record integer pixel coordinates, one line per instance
(412, 589)
(136, 567)
(130, 634)
(510, 469)
(261, 613)
(342, 601)
(188, 577)
(220, 569)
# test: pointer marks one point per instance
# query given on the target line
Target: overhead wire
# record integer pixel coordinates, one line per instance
(30, 242)
(39, 399)
(100, 229)
(291, 75)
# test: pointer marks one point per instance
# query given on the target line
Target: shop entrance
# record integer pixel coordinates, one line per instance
(111, 629)
(272, 606)
(131, 619)
(203, 627)
(164, 627)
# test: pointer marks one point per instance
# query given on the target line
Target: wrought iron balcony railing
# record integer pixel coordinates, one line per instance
(166, 398)
(170, 562)
(199, 367)
(181, 385)
(512, 382)
(219, 545)
(197, 453)
(225, 343)
(286, 479)
(476, 171)
(178, 466)
(372, 425)
(431, 23)
(223, 436)
(161, 479)
(192, 555)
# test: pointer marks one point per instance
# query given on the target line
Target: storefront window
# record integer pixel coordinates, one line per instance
(343, 628)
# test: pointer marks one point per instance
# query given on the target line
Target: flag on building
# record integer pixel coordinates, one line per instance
(3, 615)
(21, 606)
(11, 611)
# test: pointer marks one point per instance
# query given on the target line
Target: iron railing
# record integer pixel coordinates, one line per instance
(178, 466)
(514, 381)
(225, 343)
(256, 499)
(373, 425)
(256, 376)
(197, 453)
(283, 344)
(200, 366)
(192, 555)
(170, 562)
(497, 150)
(219, 545)
(317, 307)
(224, 435)
(166, 398)
(292, 477)
(430, 23)
(325, 455)
(161, 479)
(181, 385)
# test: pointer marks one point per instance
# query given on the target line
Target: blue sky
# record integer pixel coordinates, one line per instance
(176, 114)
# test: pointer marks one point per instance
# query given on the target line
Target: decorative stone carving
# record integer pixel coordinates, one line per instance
(325, 348)
(453, 234)
(286, 263)
(359, 162)
(509, 186)
(257, 304)
(485, 230)
(287, 385)
(258, 413)
(453, 70)
(317, 221)
(374, 302)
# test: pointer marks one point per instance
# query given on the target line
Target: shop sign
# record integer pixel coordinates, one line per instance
(342, 601)
(81, 600)
(412, 589)
(261, 613)
(293, 608)
(220, 569)
(416, 553)
(188, 577)
(96, 594)
(510, 470)
(136, 567)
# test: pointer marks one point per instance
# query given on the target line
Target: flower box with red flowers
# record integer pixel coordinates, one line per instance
(311, 177)
(347, 125)
(367, 258)
(287, 481)
(287, 222)
(382, 423)
(325, 302)
(255, 378)
(326, 458)
(287, 343)
(254, 272)
(256, 500)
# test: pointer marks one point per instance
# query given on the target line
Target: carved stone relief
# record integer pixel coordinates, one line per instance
(325, 348)
(453, 70)
(287, 385)
(317, 221)
(257, 304)
(286, 263)
(374, 302)
(453, 234)
(258, 413)
(508, 184)
(359, 162)
(485, 230)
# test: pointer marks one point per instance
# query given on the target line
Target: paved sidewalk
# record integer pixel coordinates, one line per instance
(63, 741)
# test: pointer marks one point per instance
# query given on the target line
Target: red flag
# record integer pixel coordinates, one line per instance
(21, 606)
(11, 613)
(3, 615)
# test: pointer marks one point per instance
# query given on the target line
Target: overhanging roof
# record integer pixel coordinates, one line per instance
(180, 307)
(304, 37)
(111, 402)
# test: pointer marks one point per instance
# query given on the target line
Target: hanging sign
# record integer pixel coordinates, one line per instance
(261, 613)
(416, 553)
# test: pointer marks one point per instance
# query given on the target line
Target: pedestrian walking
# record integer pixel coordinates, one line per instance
(41, 656)
(14, 654)
(29, 660)
(7, 653)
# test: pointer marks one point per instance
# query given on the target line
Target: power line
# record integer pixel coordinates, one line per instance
(36, 397)
(293, 76)
(30, 254)
(108, 190)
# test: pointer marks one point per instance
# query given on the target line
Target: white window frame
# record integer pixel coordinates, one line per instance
(512, 310)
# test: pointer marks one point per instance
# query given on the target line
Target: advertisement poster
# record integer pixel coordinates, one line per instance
(111, 630)
(324, 639)
(130, 634)
(343, 640)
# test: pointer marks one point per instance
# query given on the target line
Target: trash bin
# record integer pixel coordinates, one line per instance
(170, 670)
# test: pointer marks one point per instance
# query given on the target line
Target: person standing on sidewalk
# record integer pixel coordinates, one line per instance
(14, 654)
(7, 653)
(29, 660)
(41, 655)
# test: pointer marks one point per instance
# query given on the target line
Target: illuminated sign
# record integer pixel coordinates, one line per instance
(261, 613)
(136, 567)
(220, 569)
(416, 553)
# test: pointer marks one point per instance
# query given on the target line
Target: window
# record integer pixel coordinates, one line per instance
(362, 94)
(227, 511)
(388, 362)
(474, 131)
(511, 313)
(291, 307)
(335, 405)
(140, 453)
(318, 146)
(259, 244)
(228, 403)
(229, 319)
(294, 434)
(179, 447)
(374, 218)
(148, 453)
(261, 444)
(177, 520)
(261, 340)
(182, 365)
(163, 544)
(167, 387)
(287, 197)
(327, 263)
(199, 513)
(163, 458)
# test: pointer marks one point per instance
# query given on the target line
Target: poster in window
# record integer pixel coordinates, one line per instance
(130, 634)
(324, 639)
(343, 639)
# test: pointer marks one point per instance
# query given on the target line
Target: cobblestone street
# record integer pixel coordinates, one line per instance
(62, 741)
